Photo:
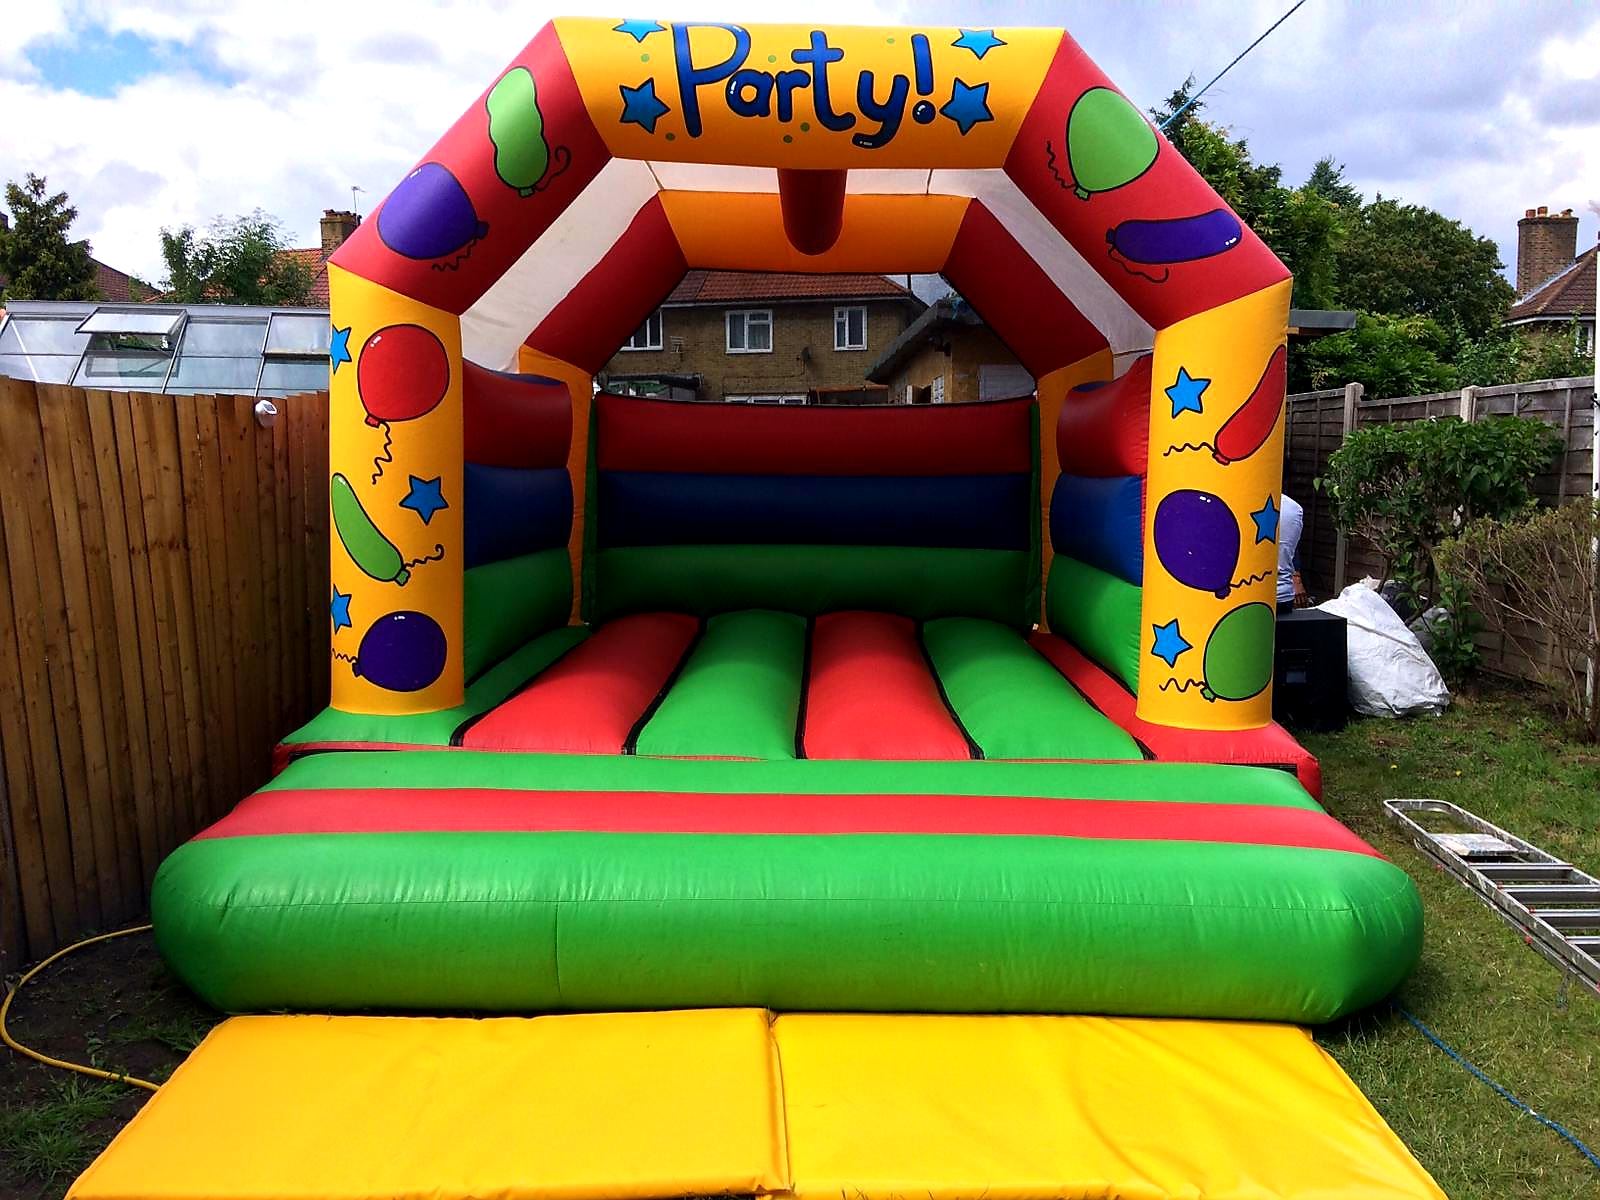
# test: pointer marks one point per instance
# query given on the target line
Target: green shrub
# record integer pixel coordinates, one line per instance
(1406, 487)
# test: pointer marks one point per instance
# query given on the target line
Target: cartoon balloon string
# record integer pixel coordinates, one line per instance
(1151, 248)
(430, 217)
(1197, 541)
(1238, 656)
(368, 548)
(1252, 423)
(1109, 144)
(522, 155)
(400, 652)
(402, 373)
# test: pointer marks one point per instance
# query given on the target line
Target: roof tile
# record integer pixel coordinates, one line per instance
(1571, 293)
(723, 287)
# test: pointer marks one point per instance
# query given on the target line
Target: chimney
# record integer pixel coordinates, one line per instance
(1545, 245)
(337, 225)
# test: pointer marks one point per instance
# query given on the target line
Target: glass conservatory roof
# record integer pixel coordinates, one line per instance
(167, 348)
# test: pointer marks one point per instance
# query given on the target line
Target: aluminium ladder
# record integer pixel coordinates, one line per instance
(1555, 905)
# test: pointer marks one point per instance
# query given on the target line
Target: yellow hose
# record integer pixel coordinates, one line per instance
(96, 1072)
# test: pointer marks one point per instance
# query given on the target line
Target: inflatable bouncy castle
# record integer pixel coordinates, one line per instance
(647, 704)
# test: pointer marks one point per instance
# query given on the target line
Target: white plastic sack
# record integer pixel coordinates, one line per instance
(1390, 673)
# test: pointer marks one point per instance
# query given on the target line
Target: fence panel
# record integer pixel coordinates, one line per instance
(1317, 424)
(152, 546)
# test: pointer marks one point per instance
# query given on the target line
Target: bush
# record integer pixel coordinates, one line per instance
(1406, 487)
(1533, 580)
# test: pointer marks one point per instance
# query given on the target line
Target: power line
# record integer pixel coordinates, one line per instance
(1189, 103)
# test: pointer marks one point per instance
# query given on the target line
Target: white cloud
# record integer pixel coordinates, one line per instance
(1478, 110)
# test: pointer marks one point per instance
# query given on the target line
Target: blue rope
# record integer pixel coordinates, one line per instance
(1502, 1092)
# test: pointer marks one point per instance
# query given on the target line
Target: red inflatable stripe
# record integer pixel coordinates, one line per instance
(1105, 430)
(1270, 745)
(749, 439)
(871, 694)
(514, 420)
(1005, 283)
(590, 700)
(614, 298)
(490, 810)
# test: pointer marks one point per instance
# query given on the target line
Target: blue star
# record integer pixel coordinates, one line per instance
(967, 105)
(1186, 391)
(339, 346)
(424, 498)
(638, 30)
(1266, 523)
(979, 41)
(1169, 644)
(340, 608)
(641, 106)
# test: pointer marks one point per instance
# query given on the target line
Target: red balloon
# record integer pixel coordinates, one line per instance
(1247, 430)
(402, 373)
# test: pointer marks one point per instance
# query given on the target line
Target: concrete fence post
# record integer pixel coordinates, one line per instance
(1352, 397)
(1469, 403)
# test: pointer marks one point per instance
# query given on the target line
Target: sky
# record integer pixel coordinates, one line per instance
(154, 113)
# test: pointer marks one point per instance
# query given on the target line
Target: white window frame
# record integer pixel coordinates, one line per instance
(841, 327)
(649, 343)
(745, 315)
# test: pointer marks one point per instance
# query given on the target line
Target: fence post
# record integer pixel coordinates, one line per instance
(1352, 397)
(1469, 403)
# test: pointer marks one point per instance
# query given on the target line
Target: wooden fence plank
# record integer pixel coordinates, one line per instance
(30, 864)
(144, 740)
(37, 610)
(209, 549)
(167, 740)
(234, 420)
(114, 704)
(214, 690)
(94, 745)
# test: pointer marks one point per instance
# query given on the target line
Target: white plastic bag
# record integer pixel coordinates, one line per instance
(1390, 673)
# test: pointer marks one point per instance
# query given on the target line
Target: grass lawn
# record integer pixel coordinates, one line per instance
(1478, 987)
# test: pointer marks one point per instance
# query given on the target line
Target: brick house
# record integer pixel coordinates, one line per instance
(946, 356)
(337, 225)
(1555, 284)
(750, 335)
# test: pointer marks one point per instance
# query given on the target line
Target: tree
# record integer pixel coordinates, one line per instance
(38, 261)
(1404, 259)
(1388, 356)
(1327, 180)
(1302, 226)
(238, 261)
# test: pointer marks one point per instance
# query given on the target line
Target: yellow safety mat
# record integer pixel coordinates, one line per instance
(605, 1106)
(1086, 1108)
(735, 1102)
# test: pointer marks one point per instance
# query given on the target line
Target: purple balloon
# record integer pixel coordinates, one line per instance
(429, 215)
(402, 652)
(1197, 540)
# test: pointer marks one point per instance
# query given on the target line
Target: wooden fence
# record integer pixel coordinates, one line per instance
(1317, 423)
(163, 621)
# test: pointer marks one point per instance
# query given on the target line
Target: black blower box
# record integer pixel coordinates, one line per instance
(1309, 687)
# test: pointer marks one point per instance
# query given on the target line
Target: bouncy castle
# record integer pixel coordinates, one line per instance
(651, 704)
(799, 801)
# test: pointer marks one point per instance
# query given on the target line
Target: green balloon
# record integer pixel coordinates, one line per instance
(1238, 661)
(1109, 143)
(366, 545)
(516, 127)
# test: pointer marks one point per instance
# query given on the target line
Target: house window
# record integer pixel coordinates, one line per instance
(648, 335)
(750, 331)
(850, 328)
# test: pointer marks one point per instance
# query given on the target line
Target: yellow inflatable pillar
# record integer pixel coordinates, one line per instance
(1211, 515)
(395, 477)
